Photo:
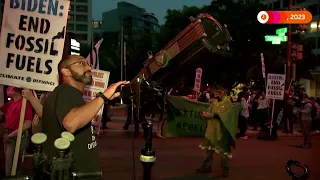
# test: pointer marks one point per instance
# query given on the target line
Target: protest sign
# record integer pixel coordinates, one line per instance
(183, 118)
(31, 48)
(275, 90)
(32, 40)
(197, 80)
(275, 86)
(99, 83)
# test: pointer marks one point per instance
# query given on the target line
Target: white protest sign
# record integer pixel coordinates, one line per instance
(197, 80)
(275, 86)
(32, 40)
(99, 83)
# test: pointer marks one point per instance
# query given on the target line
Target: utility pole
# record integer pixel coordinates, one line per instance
(317, 36)
(125, 59)
(121, 50)
(288, 69)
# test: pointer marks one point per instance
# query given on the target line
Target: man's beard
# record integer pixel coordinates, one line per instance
(83, 78)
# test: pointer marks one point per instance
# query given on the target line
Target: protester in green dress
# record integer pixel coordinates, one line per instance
(222, 124)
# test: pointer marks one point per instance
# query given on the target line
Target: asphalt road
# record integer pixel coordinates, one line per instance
(178, 158)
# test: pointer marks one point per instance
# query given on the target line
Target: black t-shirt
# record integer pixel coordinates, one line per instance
(55, 108)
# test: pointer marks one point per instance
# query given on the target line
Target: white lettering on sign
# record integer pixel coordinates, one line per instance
(275, 86)
(99, 83)
(197, 81)
(31, 44)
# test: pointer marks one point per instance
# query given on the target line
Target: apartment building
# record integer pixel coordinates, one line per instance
(80, 20)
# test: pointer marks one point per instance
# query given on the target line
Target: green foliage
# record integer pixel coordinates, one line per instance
(109, 55)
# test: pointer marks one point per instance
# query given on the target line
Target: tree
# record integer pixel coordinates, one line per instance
(242, 24)
(248, 41)
(85, 50)
(137, 46)
(109, 55)
(176, 21)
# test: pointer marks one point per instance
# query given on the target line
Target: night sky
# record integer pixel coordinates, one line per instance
(158, 7)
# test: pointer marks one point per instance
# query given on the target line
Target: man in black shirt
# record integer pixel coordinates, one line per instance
(66, 110)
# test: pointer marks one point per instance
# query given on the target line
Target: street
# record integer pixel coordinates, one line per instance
(177, 158)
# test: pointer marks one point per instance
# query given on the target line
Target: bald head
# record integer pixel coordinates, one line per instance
(74, 68)
(67, 61)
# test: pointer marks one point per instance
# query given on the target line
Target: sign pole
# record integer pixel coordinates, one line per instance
(272, 112)
(196, 96)
(275, 91)
(288, 68)
(18, 141)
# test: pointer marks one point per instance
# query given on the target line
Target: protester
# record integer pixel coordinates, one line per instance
(306, 121)
(317, 118)
(12, 111)
(222, 116)
(288, 104)
(254, 110)
(244, 116)
(263, 107)
(66, 110)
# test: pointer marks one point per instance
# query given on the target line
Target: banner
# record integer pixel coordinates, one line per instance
(32, 40)
(99, 83)
(183, 118)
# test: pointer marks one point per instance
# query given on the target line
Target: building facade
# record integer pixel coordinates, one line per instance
(80, 20)
(136, 20)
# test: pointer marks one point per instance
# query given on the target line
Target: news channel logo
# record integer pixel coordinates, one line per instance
(263, 17)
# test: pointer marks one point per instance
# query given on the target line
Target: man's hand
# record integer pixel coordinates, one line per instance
(110, 92)
(27, 94)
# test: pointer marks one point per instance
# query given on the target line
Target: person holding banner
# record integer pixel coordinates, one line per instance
(66, 110)
(12, 111)
(222, 116)
(37, 106)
